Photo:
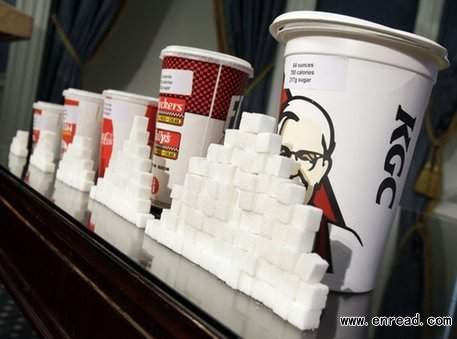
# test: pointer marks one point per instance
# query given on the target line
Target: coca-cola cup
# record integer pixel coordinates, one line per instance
(119, 110)
(83, 117)
(352, 104)
(199, 89)
(39, 108)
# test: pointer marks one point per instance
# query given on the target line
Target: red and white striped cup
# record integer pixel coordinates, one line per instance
(198, 90)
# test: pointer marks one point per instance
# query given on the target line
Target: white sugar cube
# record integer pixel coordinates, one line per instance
(268, 143)
(210, 188)
(153, 227)
(302, 317)
(198, 166)
(225, 192)
(169, 219)
(287, 259)
(189, 198)
(233, 138)
(279, 232)
(193, 183)
(280, 166)
(196, 219)
(222, 172)
(177, 191)
(273, 255)
(257, 123)
(282, 213)
(176, 206)
(246, 200)
(298, 239)
(263, 183)
(281, 304)
(307, 217)
(246, 261)
(263, 292)
(253, 162)
(139, 137)
(141, 205)
(222, 210)
(245, 283)
(206, 205)
(310, 267)
(289, 193)
(266, 228)
(140, 123)
(262, 246)
(22, 135)
(313, 295)
(246, 181)
(214, 151)
(261, 203)
(288, 284)
(268, 273)
(250, 222)
(238, 157)
(275, 183)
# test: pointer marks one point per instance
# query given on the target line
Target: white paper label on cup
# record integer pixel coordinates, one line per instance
(308, 71)
(176, 81)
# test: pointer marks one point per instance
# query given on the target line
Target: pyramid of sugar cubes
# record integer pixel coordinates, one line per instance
(19, 143)
(45, 152)
(240, 217)
(76, 168)
(126, 185)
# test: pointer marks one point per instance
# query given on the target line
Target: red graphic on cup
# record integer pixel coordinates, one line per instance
(36, 131)
(171, 110)
(167, 143)
(106, 145)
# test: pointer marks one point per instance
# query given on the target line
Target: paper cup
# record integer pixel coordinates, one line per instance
(83, 117)
(38, 108)
(119, 110)
(50, 119)
(199, 89)
(353, 100)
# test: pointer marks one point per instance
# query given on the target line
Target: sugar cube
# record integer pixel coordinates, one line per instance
(288, 284)
(307, 217)
(193, 183)
(210, 188)
(246, 200)
(281, 304)
(310, 267)
(268, 143)
(313, 295)
(257, 123)
(279, 166)
(298, 239)
(303, 317)
(289, 193)
(287, 258)
(245, 283)
(198, 166)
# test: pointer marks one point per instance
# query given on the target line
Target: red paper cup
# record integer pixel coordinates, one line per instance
(119, 110)
(198, 90)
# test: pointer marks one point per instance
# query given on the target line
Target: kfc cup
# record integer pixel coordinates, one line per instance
(199, 89)
(83, 117)
(119, 109)
(352, 104)
(38, 108)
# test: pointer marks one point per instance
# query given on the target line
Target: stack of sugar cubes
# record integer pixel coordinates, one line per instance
(44, 154)
(76, 168)
(19, 144)
(126, 185)
(239, 216)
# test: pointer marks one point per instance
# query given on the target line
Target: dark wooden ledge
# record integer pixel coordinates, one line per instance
(70, 283)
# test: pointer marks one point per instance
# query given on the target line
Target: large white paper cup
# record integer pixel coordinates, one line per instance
(120, 109)
(83, 117)
(352, 106)
(49, 110)
(199, 91)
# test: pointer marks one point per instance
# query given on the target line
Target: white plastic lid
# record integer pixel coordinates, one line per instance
(208, 56)
(48, 106)
(132, 97)
(84, 95)
(299, 23)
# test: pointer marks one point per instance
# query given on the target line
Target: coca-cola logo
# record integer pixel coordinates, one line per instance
(107, 138)
(173, 105)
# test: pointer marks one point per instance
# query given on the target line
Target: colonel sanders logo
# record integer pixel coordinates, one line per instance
(309, 138)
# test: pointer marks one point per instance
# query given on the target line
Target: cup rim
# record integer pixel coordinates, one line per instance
(289, 25)
(208, 56)
(132, 97)
(92, 96)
